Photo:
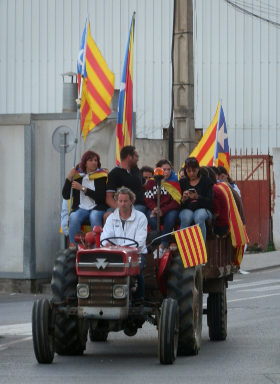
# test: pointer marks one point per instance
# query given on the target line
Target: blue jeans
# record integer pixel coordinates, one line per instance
(187, 217)
(79, 216)
(169, 220)
(140, 291)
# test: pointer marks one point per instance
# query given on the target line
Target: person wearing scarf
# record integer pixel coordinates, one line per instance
(88, 182)
(170, 197)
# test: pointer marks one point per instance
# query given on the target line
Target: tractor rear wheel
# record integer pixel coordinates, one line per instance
(185, 285)
(217, 315)
(41, 331)
(168, 331)
(70, 332)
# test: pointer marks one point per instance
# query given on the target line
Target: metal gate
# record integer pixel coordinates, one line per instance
(253, 175)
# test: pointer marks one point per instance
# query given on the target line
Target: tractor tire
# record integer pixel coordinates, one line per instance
(97, 334)
(168, 331)
(185, 285)
(42, 334)
(70, 332)
(217, 315)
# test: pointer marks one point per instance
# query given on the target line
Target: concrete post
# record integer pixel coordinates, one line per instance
(183, 87)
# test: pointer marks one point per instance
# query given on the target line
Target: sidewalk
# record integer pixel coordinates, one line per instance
(257, 261)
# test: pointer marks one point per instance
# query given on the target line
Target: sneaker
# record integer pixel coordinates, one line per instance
(161, 252)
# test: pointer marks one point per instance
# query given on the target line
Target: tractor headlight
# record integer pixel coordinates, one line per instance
(119, 291)
(82, 291)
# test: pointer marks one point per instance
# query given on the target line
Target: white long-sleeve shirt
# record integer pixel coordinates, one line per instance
(135, 227)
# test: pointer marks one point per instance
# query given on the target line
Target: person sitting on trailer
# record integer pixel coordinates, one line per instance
(89, 191)
(170, 197)
(197, 196)
(220, 207)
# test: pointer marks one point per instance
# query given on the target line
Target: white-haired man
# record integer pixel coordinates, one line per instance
(127, 222)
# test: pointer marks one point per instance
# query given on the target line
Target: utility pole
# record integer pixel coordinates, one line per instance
(183, 85)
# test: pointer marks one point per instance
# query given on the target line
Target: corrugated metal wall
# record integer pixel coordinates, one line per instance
(40, 39)
(237, 61)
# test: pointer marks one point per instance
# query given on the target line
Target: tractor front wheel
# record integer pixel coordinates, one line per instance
(168, 331)
(42, 333)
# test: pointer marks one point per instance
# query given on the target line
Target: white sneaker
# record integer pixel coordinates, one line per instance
(161, 252)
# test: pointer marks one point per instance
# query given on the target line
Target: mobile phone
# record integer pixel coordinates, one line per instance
(192, 190)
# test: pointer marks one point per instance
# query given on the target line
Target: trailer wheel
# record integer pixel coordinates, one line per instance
(217, 315)
(185, 285)
(97, 334)
(41, 331)
(70, 332)
(168, 331)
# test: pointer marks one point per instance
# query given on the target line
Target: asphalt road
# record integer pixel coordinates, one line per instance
(249, 355)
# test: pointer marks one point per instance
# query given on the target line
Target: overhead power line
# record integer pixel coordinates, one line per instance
(268, 9)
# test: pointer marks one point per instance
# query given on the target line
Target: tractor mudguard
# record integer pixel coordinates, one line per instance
(162, 272)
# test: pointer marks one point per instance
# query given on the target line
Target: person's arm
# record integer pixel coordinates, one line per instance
(110, 201)
(141, 233)
(108, 229)
(149, 196)
(66, 190)
(205, 195)
(99, 195)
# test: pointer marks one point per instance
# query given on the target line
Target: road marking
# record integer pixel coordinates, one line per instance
(5, 346)
(253, 284)
(253, 297)
(262, 289)
(24, 329)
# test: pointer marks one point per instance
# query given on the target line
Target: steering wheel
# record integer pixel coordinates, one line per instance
(109, 239)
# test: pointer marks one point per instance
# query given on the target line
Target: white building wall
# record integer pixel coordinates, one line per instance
(237, 62)
(12, 199)
(40, 40)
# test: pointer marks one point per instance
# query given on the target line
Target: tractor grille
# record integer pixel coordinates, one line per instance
(101, 292)
(98, 261)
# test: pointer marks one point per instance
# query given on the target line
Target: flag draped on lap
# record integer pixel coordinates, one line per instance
(191, 246)
(96, 83)
(238, 232)
(125, 104)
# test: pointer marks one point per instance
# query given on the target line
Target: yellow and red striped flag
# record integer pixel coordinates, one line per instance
(191, 246)
(204, 151)
(238, 232)
(97, 84)
(125, 104)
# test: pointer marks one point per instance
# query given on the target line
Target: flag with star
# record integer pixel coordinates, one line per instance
(221, 151)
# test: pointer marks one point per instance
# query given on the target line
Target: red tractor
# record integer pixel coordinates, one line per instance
(93, 292)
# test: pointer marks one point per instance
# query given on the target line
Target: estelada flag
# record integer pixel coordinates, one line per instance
(96, 83)
(213, 149)
(204, 150)
(221, 153)
(125, 103)
(191, 246)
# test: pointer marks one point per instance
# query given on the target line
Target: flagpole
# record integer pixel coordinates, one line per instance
(78, 116)
(217, 130)
(170, 233)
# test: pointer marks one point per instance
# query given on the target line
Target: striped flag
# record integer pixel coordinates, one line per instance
(125, 105)
(191, 246)
(96, 83)
(238, 233)
(204, 151)
(221, 153)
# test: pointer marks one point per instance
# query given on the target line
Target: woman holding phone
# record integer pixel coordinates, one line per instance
(197, 196)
